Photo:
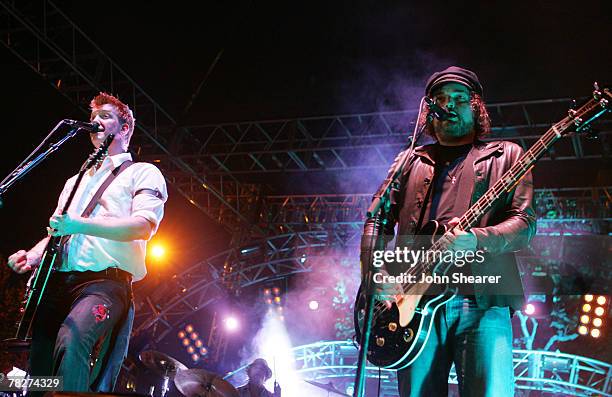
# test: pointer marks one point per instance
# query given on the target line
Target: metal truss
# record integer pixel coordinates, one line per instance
(55, 48)
(203, 283)
(544, 371)
(367, 140)
(585, 209)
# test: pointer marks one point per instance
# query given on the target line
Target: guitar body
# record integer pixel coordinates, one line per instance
(37, 285)
(399, 334)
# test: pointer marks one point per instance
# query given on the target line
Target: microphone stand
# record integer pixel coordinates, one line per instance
(29, 163)
(378, 210)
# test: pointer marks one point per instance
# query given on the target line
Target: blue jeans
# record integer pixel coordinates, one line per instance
(478, 341)
(79, 319)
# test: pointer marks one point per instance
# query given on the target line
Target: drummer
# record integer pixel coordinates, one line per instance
(258, 372)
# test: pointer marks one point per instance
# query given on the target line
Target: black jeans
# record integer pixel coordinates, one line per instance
(80, 313)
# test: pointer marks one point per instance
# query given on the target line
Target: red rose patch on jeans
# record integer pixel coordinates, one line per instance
(100, 312)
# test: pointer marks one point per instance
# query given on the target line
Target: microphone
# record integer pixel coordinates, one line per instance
(438, 112)
(83, 125)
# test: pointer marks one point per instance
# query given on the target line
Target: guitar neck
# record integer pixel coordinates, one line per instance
(512, 177)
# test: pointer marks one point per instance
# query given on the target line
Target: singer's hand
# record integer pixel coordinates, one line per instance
(62, 225)
(277, 390)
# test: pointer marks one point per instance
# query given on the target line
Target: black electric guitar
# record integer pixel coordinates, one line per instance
(50, 260)
(399, 331)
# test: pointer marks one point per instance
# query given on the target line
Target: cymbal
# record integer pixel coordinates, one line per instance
(327, 386)
(198, 382)
(161, 363)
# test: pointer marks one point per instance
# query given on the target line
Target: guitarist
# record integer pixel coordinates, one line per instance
(86, 313)
(439, 182)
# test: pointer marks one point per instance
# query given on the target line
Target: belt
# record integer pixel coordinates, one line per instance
(111, 273)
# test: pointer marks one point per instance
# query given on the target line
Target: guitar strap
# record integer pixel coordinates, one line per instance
(109, 179)
(96, 197)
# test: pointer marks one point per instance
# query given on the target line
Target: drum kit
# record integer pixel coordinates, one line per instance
(196, 382)
(193, 382)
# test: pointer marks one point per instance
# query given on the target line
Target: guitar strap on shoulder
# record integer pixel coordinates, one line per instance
(109, 179)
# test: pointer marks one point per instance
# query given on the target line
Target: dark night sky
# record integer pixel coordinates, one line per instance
(284, 59)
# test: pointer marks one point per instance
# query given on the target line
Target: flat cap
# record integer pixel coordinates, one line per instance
(454, 74)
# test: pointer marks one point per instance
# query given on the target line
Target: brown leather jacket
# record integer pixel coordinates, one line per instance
(507, 227)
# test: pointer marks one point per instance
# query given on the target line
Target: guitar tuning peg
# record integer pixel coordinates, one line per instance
(572, 109)
(596, 91)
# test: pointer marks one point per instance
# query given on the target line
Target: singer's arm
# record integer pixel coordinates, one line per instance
(119, 229)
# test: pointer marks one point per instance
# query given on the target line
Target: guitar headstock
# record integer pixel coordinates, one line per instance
(98, 155)
(599, 104)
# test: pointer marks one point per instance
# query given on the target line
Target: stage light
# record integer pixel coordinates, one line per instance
(198, 343)
(181, 334)
(601, 300)
(584, 319)
(189, 328)
(529, 309)
(582, 330)
(599, 311)
(595, 333)
(231, 323)
(277, 299)
(157, 251)
(186, 342)
(313, 305)
(350, 390)
(190, 350)
(597, 322)
(588, 298)
(276, 290)
(303, 258)
(203, 351)
(586, 308)
(195, 357)
(267, 291)
(269, 301)
(194, 336)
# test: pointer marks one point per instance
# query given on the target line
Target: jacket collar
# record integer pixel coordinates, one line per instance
(480, 150)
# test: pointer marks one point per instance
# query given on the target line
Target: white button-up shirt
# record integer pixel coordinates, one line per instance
(84, 252)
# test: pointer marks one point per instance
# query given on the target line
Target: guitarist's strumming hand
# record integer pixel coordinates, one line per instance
(23, 261)
(387, 292)
(458, 240)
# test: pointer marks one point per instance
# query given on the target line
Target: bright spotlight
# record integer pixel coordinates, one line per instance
(588, 298)
(597, 322)
(599, 311)
(584, 319)
(195, 357)
(595, 333)
(529, 309)
(601, 300)
(231, 323)
(582, 330)
(586, 308)
(313, 305)
(158, 251)
(189, 328)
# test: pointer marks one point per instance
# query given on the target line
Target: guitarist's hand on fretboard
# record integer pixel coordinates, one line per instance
(458, 240)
